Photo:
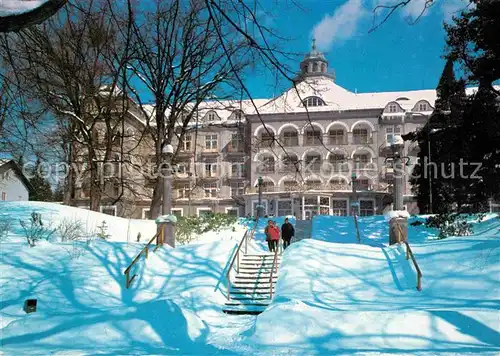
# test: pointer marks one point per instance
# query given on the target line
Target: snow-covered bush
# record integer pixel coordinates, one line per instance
(35, 230)
(70, 230)
(450, 224)
(5, 226)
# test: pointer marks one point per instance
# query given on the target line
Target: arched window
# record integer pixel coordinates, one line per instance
(211, 116)
(313, 101)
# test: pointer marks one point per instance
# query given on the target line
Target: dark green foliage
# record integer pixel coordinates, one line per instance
(42, 190)
(190, 226)
(464, 132)
(451, 224)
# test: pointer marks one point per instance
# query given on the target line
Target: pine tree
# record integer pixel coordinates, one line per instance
(41, 186)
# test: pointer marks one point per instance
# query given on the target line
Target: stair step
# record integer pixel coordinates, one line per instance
(252, 285)
(244, 297)
(250, 291)
(262, 255)
(247, 304)
(254, 279)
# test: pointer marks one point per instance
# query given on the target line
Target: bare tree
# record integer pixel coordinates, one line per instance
(74, 65)
(180, 62)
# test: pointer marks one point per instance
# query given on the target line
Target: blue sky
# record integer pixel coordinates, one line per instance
(397, 56)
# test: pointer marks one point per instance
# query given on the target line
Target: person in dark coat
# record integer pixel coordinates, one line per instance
(287, 232)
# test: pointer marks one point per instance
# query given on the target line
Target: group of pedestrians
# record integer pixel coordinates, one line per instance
(273, 233)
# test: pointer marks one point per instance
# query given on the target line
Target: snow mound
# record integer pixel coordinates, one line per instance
(341, 298)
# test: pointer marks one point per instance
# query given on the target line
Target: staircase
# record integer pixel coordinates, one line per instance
(250, 292)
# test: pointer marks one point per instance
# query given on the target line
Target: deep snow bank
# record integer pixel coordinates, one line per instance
(338, 298)
(84, 307)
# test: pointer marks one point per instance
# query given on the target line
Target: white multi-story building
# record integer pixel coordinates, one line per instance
(305, 144)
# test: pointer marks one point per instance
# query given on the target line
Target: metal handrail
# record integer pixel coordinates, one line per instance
(409, 253)
(236, 257)
(145, 250)
(275, 265)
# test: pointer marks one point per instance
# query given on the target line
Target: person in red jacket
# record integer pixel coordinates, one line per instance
(272, 235)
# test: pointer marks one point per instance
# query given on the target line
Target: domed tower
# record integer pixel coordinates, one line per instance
(314, 64)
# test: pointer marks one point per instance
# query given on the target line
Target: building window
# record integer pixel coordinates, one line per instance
(183, 191)
(178, 212)
(339, 207)
(210, 190)
(361, 160)
(238, 115)
(423, 107)
(186, 143)
(211, 169)
(391, 132)
(337, 160)
(236, 144)
(211, 116)
(233, 212)
(313, 137)
(363, 184)
(313, 101)
(267, 164)
(393, 108)
(290, 138)
(238, 170)
(313, 184)
(237, 189)
(366, 208)
(290, 186)
(211, 142)
(146, 214)
(108, 210)
(360, 136)
(284, 207)
(336, 137)
(203, 211)
(267, 139)
(116, 189)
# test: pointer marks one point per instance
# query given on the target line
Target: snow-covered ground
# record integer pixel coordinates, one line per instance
(333, 296)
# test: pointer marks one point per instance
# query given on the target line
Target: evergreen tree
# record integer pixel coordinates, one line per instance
(58, 195)
(41, 186)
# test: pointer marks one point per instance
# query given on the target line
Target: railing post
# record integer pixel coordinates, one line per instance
(238, 262)
(407, 251)
(229, 285)
(419, 285)
(147, 248)
(127, 281)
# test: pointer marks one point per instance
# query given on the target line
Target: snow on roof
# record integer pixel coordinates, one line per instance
(16, 7)
(339, 98)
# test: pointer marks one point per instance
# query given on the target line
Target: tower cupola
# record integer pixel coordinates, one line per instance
(314, 64)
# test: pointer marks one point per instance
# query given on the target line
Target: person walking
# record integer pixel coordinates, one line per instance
(272, 235)
(287, 232)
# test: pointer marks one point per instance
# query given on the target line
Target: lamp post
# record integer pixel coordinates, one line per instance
(397, 149)
(259, 208)
(354, 204)
(168, 231)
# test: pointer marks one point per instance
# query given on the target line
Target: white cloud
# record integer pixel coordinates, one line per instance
(341, 25)
(452, 8)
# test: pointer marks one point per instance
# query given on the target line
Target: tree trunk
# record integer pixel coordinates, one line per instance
(156, 200)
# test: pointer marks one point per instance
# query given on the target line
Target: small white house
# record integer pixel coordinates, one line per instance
(14, 186)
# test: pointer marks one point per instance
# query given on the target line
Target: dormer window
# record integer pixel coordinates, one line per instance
(211, 116)
(393, 108)
(313, 101)
(423, 107)
(238, 115)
